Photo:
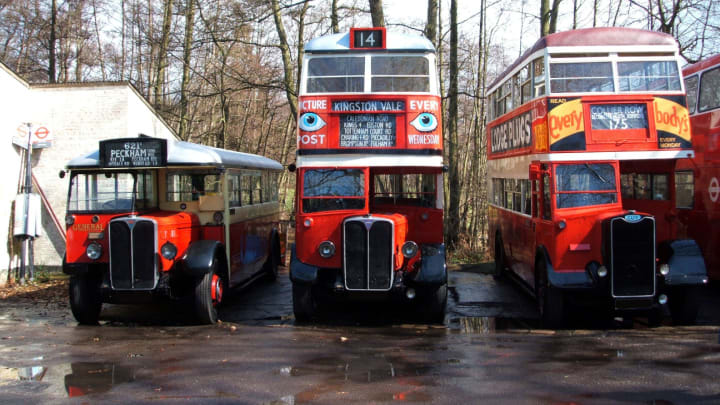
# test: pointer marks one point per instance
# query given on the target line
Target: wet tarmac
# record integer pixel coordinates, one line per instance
(491, 350)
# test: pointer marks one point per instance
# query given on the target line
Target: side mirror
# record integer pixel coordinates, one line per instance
(61, 174)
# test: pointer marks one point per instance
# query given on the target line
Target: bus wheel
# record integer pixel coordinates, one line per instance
(208, 296)
(499, 257)
(85, 299)
(435, 304)
(549, 300)
(684, 305)
(271, 264)
(304, 302)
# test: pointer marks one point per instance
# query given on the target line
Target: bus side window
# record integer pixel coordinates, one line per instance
(546, 214)
(691, 87)
(234, 192)
(684, 189)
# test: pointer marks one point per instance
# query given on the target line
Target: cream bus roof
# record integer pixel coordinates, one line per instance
(394, 42)
(192, 154)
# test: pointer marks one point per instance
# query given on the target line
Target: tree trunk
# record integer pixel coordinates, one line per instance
(432, 22)
(288, 79)
(376, 13)
(334, 17)
(544, 17)
(162, 54)
(453, 177)
(52, 42)
(187, 53)
(554, 16)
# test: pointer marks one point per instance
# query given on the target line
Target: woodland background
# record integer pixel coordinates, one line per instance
(225, 72)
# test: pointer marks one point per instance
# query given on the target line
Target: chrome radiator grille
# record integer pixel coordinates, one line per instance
(133, 247)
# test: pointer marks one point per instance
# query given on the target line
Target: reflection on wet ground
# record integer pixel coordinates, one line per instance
(491, 349)
(92, 378)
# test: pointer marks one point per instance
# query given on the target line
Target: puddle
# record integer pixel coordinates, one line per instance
(92, 378)
(487, 324)
(370, 369)
(34, 373)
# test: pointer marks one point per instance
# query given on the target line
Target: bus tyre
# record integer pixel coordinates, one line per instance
(684, 305)
(85, 299)
(304, 302)
(550, 300)
(435, 304)
(271, 264)
(208, 296)
(499, 257)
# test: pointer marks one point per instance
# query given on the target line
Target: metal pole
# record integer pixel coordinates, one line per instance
(26, 213)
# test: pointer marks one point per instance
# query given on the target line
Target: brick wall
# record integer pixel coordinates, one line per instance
(78, 116)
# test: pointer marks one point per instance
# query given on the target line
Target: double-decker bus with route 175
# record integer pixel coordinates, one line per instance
(699, 214)
(150, 218)
(369, 200)
(585, 131)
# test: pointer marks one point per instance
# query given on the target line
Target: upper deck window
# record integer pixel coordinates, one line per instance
(691, 86)
(400, 74)
(387, 73)
(334, 74)
(648, 76)
(581, 77)
(709, 90)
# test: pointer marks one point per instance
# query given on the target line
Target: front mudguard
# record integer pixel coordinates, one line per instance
(200, 256)
(301, 272)
(433, 269)
(687, 266)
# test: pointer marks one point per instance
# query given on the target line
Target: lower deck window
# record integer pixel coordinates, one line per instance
(415, 189)
(684, 189)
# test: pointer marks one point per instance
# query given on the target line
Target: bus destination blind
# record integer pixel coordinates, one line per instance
(134, 152)
(618, 116)
(367, 131)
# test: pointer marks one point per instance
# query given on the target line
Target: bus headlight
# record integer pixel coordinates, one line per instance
(664, 269)
(409, 249)
(326, 249)
(602, 271)
(93, 251)
(562, 224)
(168, 251)
(69, 220)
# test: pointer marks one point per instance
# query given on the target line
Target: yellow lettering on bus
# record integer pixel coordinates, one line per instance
(565, 120)
(672, 118)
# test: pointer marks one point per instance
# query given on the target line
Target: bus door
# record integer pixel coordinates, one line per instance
(541, 211)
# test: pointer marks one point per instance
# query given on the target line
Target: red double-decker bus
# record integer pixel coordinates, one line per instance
(586, 130)
(369, 221)
(699, 215)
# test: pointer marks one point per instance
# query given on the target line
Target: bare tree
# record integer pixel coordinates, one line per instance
(52, 42)
(431, 26)
(187, 53)
(376, 13)
(453, 214)
(162, 53)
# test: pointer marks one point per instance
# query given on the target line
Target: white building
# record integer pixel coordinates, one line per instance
(78, 116)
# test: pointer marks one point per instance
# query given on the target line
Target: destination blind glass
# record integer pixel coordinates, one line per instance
(134, 152)
(618, 116)
(367, 130)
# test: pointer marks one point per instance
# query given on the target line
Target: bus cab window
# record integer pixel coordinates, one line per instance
(684, 189)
